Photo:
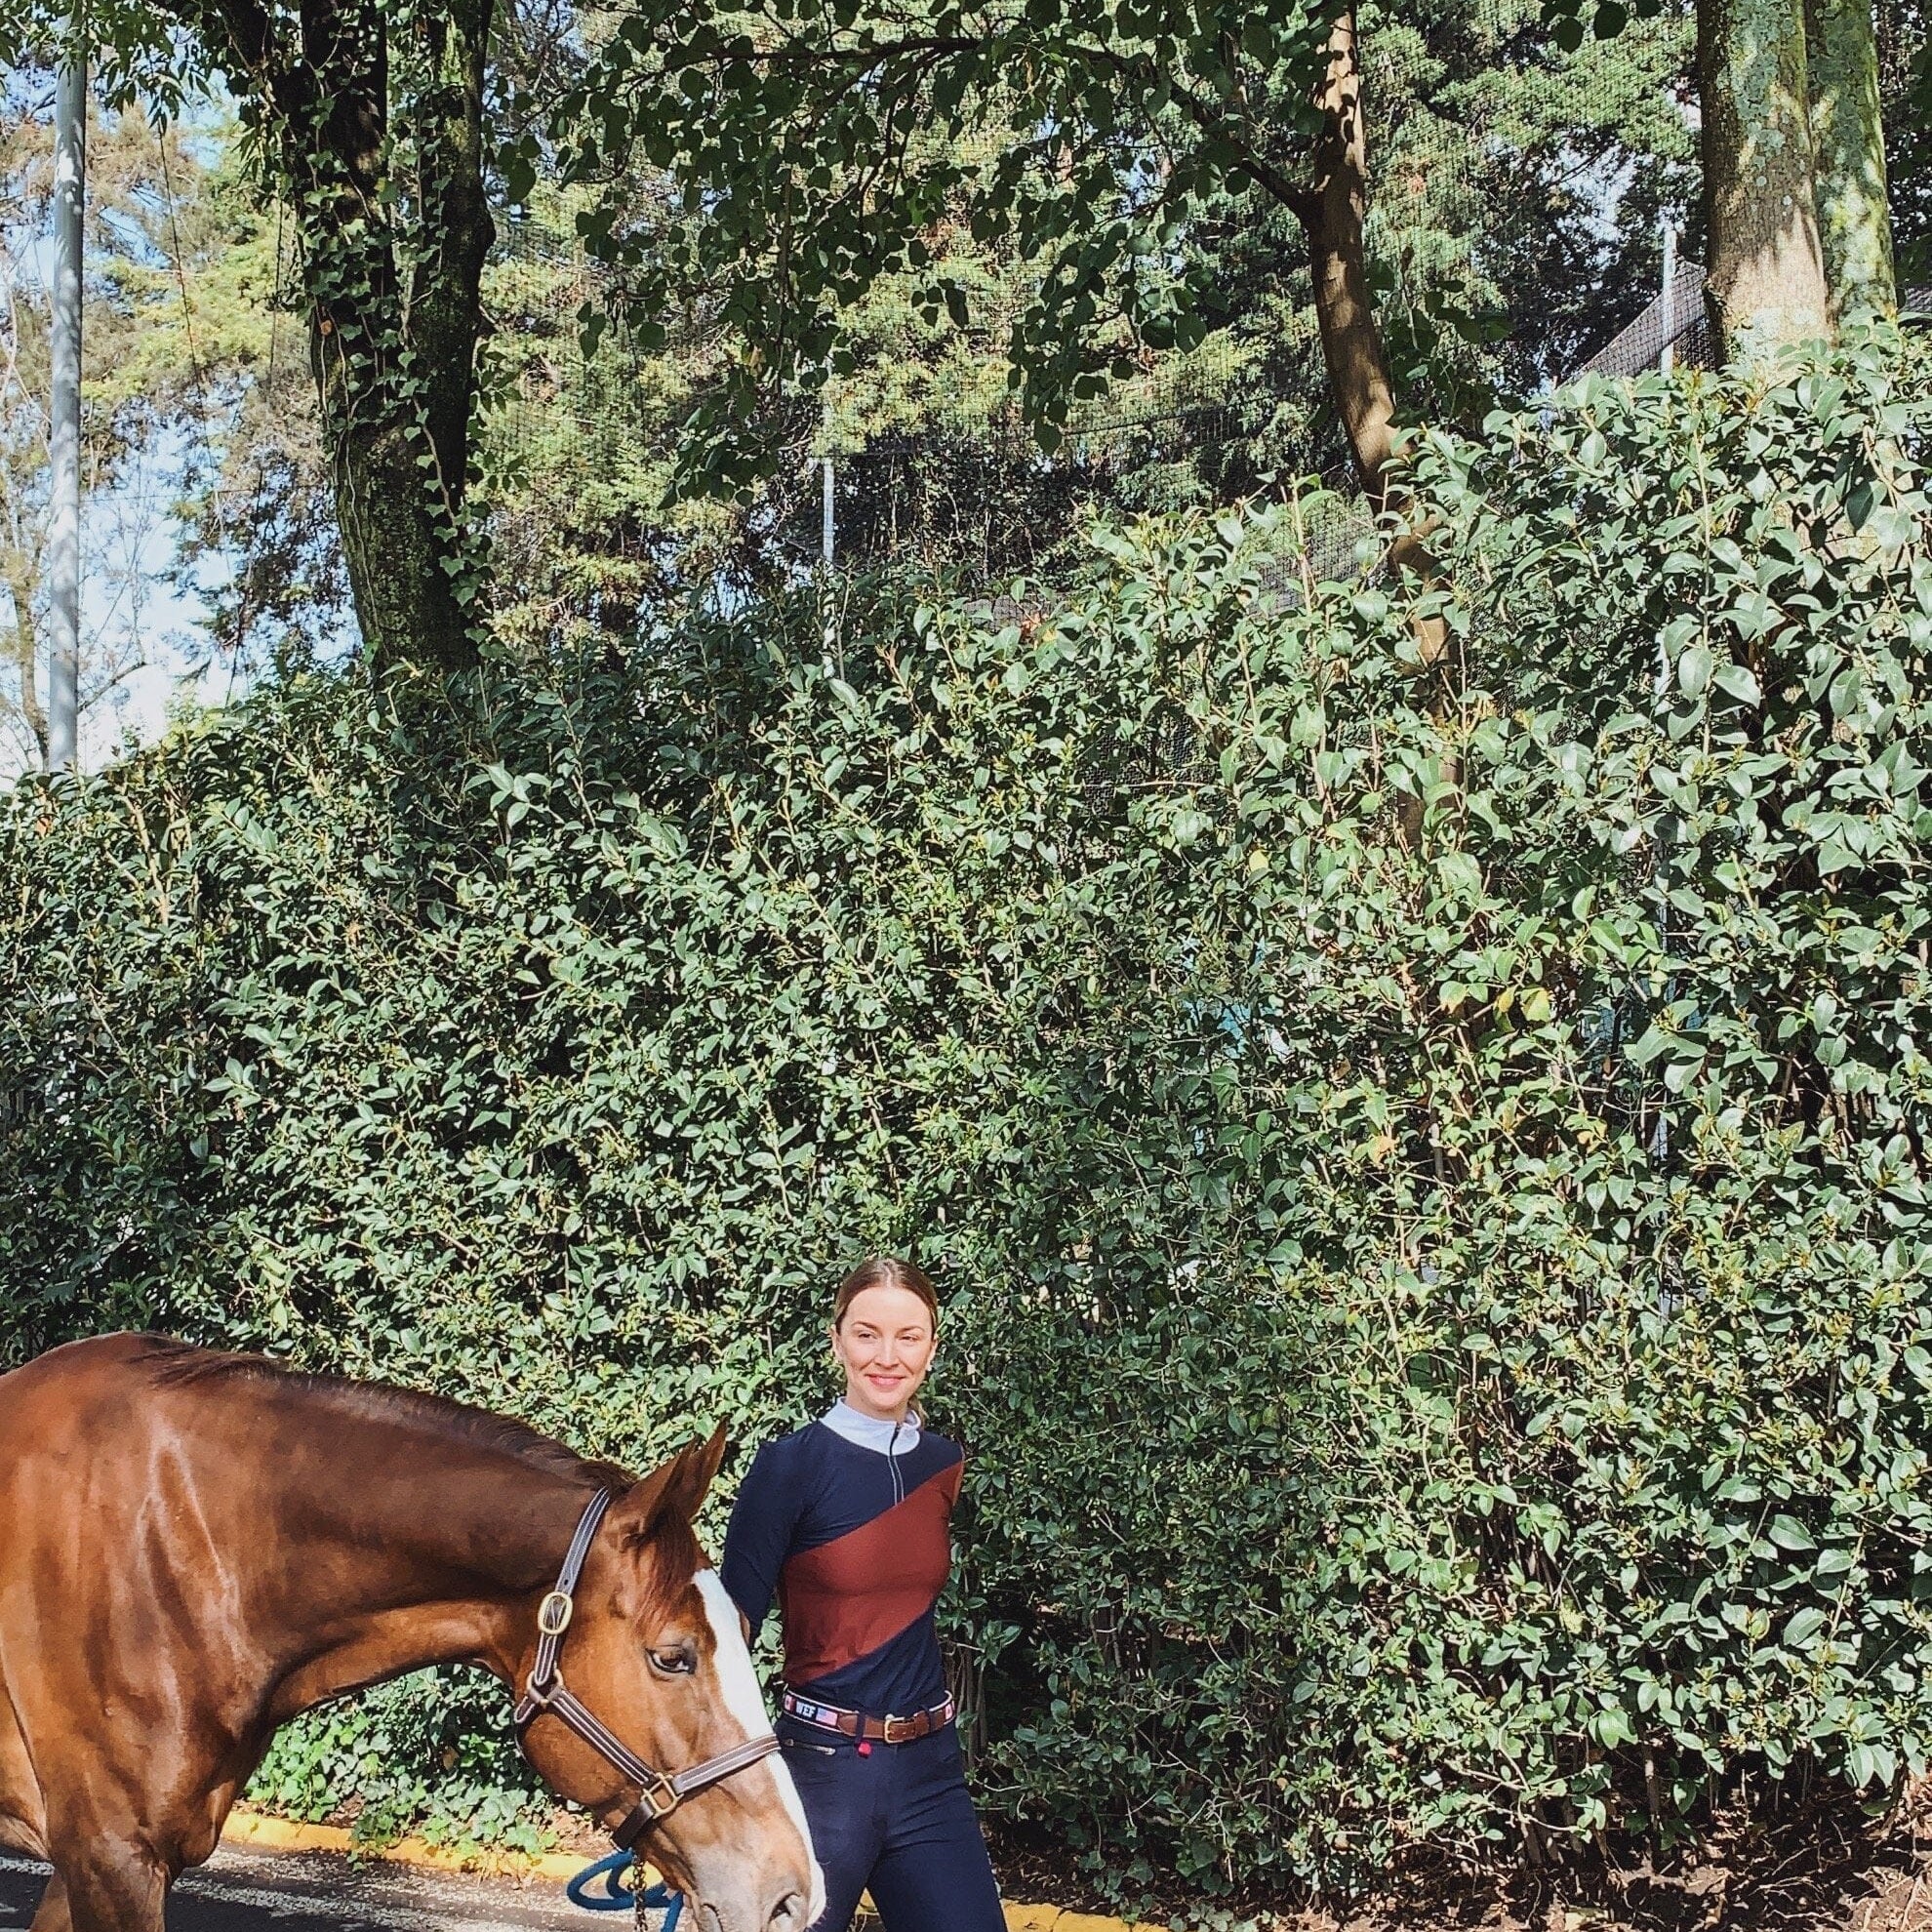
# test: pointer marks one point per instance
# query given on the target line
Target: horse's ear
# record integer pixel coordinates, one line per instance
(697, 1466)
(673, 1491)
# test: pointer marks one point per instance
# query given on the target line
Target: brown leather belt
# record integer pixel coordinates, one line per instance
(867, 1730)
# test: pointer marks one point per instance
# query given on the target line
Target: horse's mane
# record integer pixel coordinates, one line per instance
(178, 1364)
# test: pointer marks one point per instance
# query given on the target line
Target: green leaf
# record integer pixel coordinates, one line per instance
(1788, 1533)
(1612, 1728)
(1801, 1627)
(1737, 681)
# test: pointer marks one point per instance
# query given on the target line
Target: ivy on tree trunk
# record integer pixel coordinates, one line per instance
(371, 117)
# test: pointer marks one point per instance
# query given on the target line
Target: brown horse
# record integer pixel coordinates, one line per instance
(195, 1546)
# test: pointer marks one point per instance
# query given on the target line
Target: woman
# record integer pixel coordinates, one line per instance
(846, 1522)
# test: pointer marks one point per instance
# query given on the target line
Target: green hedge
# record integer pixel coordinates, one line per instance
(1425, 1162)
(426, 1754)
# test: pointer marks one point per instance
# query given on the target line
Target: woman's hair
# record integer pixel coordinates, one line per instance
(884, 1272)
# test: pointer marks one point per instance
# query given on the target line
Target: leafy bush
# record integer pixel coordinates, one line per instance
(1425, 1161)
(427, 1753)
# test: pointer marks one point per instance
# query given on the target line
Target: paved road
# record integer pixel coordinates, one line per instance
(239, 1891)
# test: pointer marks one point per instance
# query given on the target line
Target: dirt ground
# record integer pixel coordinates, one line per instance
(1827, 1870)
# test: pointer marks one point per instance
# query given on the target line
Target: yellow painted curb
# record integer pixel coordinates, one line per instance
(262, 1833)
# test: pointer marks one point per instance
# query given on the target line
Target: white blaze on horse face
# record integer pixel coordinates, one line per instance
(747, 1702)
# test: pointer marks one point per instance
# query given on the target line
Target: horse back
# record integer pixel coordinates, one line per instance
(122, 1485)
(85, 1398)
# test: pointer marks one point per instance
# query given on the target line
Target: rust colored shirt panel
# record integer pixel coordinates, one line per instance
(842, 1600)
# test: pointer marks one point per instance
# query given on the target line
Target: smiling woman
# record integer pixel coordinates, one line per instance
(847, 1522)
(884, 1334)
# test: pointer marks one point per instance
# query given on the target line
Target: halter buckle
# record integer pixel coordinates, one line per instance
(660, 1798)
(554, 1614)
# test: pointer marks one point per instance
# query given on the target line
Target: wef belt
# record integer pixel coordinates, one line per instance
(866, 1729)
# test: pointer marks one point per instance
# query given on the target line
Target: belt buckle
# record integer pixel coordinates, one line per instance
(899, 1730)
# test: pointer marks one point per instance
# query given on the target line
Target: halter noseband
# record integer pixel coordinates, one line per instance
(660, 1792)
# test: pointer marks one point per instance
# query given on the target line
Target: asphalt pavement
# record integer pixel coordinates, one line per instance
(242, 1891)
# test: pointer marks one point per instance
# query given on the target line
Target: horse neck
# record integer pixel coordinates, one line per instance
(402, 1512)
(458, 1510)
(414, 1549)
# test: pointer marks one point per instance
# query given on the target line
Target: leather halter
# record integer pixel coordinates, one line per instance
(660, 1792)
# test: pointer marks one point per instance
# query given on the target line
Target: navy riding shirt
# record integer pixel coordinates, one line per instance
(847, 1523)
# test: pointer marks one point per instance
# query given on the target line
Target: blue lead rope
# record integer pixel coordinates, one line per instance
(613, 1895)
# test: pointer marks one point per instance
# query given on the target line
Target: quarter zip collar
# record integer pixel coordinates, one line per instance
(886, 1438)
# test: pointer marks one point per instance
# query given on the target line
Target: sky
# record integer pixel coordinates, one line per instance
(128, 594)
(146, 648)
(144, 643)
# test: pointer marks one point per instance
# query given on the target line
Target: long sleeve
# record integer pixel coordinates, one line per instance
(759, 1536)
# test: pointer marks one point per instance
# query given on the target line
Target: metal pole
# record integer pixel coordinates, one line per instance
(63, 531)
(1660, 1140)
(827, 598)
(1666, 360)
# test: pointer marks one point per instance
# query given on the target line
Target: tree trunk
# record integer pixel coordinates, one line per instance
(1848, 156)
(1334, 215)
(396, 543)
(396, 313)
(1766, 277)
(379, 142)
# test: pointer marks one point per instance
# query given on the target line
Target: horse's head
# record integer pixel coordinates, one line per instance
(656, 1651)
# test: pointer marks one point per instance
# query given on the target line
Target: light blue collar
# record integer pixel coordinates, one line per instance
(871, 1431)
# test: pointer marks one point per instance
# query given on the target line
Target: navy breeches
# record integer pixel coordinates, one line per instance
(896, 1821)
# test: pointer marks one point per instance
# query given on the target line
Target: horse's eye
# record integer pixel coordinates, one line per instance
(678, 1662)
